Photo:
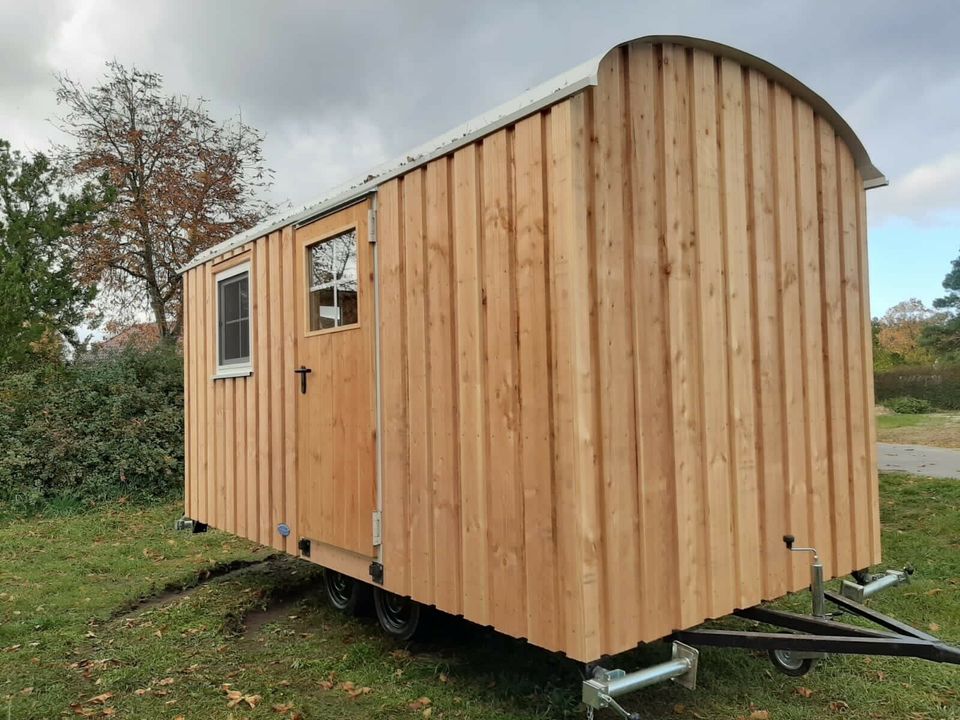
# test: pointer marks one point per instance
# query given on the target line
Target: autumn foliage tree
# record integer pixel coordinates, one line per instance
(183, 183)
(901, 329)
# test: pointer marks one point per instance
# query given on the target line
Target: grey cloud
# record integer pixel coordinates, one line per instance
(374, 78)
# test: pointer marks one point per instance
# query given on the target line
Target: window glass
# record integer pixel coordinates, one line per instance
(334, 282)
(233, 307)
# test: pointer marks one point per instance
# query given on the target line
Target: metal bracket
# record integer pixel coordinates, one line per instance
(891, 578)
(376, 572)
(601, 690)
(377, 527)
(185, 523)
(303, 545)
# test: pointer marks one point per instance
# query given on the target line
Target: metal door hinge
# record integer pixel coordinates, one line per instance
(377, 527)
(372, 225)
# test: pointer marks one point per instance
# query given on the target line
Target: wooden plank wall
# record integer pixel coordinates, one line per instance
(241, 432)
(631, 351)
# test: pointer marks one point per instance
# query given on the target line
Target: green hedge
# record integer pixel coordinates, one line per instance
(937, 384)
(92, 430)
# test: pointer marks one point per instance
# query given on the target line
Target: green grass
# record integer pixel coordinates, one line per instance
(71, 629)
(934, 429)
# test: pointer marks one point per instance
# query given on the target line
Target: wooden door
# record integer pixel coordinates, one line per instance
(336, 438)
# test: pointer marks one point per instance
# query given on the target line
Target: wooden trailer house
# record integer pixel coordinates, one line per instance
(571, 370)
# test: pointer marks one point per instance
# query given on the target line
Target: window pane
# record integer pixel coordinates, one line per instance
(229, 299)
(244, 339)
(323, 311)
(347, 255)
(244, 290)
(322, 263)
(231, 342)
(348, 306)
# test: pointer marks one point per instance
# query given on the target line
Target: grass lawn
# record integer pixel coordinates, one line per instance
(75, 642)
(936, 429)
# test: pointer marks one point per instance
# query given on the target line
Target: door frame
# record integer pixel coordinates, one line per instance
(332, 556)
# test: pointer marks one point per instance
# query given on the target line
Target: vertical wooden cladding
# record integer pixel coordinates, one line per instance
(240, 431)
(468, 497)
(741, 218)
(627, 358)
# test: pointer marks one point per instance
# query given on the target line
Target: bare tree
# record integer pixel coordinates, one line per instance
(182, 183)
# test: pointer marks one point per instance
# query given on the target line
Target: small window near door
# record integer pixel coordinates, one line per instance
(332, 265)
(233, 321)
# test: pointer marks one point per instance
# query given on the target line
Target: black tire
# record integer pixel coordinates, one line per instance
(788, 663)
(345, 594)
(400, 617)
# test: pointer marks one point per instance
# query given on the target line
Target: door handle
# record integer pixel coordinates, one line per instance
(302, 372)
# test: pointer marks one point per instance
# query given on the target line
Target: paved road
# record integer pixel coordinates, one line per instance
(919, 460)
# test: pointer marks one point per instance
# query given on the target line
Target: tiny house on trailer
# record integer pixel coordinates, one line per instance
(571, 370)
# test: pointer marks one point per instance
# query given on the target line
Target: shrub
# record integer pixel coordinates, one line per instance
(908, 405)
(937, 384)
(99, 428)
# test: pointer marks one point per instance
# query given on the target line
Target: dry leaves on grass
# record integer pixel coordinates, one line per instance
(420, 703)
(934, 627)
(353, 691)
(757, 715)
(803, 692)
(235, 697)
(839, 706)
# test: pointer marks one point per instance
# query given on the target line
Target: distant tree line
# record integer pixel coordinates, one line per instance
(912, 334)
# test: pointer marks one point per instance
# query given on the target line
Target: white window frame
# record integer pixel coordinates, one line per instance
(232, 370)
(335, 283)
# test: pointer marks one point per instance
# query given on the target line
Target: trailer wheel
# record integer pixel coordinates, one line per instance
(787, 662)
(345, 594)
(400, 617)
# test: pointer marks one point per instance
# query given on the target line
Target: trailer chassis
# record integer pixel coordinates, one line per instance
(794, 652)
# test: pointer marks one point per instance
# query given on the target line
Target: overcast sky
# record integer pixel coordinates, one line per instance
(340, 87)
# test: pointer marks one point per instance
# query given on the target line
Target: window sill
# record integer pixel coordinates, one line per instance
(232, 372)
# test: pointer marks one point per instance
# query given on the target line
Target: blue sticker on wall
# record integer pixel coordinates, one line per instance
(283, 529)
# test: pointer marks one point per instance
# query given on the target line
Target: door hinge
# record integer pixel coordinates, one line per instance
(372, 225)
(377, 527)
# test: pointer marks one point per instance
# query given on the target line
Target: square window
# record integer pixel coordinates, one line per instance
(333, 293)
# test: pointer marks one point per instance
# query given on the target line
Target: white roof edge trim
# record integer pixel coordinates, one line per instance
(536, 98)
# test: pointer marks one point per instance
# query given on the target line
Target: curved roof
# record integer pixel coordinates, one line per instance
(534, 99)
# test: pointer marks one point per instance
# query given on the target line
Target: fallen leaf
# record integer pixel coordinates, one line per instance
(419, 703)
(760, 715)
(26, 691)
(839, 706)
(443, 677)
(165, 681)
(347, 686)
(100, 699)
(427, 712)
(12, 648)
(108, 711)
(179, 717)
(934, 627)
(679, 709)
(935, 591)
(140, 692)
(803, 692)
(283, 708)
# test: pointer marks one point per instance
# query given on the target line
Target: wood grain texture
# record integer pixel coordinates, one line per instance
(625, 348)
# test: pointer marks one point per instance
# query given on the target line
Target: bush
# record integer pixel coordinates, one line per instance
(908, 405)
(937, 384)
(96, 429)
